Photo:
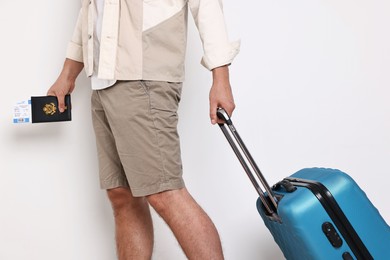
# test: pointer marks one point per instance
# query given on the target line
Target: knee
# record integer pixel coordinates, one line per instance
(118, 197)
(122, 199)
(161, 202)
(156, 201)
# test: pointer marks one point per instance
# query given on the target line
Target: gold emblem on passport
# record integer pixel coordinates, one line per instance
(50, 109)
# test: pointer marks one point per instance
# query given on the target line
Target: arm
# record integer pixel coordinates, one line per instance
(73, 65)
(65, 83)
(209, 19)
(218, 52)
(220, 93)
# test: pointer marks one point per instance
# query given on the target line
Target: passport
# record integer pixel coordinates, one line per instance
(44, 109)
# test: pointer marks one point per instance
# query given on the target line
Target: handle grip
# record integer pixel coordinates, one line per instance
(223, 115)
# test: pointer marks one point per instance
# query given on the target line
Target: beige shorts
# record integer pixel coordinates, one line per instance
(138, 146)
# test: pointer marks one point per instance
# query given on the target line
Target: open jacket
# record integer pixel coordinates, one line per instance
(146, 39)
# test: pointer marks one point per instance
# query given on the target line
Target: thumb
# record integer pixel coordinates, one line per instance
(213, 113)
(61, 103)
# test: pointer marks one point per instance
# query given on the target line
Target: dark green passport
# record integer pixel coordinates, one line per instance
(44, 109)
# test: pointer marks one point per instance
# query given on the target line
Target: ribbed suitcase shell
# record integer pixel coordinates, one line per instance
(300, 235)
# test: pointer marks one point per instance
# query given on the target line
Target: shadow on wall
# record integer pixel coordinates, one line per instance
(34, 132)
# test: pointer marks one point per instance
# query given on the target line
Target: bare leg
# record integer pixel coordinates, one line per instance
(191, 226)
(133, 225)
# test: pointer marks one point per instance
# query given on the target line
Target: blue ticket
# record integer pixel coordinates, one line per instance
(22, 112)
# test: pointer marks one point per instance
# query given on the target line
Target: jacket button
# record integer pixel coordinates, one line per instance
(89, 36)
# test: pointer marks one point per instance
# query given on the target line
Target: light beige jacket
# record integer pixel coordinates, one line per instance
(146, 39)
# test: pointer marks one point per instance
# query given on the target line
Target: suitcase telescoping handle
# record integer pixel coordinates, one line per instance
(268, 199)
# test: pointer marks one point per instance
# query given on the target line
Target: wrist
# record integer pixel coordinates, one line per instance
(221, 74)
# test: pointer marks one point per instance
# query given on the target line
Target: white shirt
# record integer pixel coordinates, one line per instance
(97, 83)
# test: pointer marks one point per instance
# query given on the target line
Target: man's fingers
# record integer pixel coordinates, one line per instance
(53, 91)
(229, 108)
(61, 103)
(60, 98)
(50, 93)
(213, 113)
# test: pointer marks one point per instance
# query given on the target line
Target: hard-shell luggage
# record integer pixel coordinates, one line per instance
(316, 213)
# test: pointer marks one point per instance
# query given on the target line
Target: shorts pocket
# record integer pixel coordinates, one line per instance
(164, 96)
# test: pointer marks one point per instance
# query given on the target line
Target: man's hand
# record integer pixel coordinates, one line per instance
(220, 94)
(65, 83)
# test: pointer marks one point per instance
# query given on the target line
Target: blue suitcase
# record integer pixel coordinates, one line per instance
(316, 213)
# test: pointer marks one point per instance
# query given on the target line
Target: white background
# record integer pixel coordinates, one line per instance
(311, 85)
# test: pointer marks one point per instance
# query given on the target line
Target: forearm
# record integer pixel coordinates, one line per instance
(71, 69)
(65, 83)
(221, 93)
